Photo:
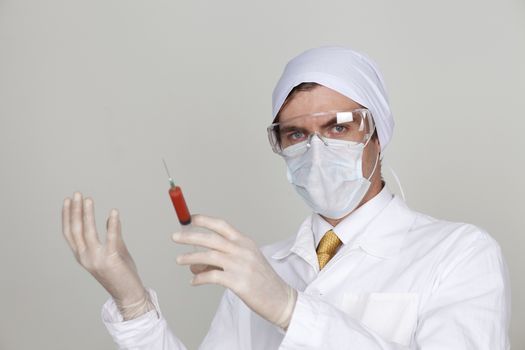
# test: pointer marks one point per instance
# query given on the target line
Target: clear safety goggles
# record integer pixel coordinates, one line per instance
(356, 126)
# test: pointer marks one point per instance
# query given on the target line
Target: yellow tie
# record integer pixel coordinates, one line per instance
(327, 247)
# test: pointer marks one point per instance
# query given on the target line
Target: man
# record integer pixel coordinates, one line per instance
(363, 272)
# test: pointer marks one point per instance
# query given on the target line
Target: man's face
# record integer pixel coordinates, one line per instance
(323, 99)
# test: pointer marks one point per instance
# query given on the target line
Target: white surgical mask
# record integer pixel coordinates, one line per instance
(328, 174)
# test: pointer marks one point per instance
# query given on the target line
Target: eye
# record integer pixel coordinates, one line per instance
(339, 129)
(295, 135)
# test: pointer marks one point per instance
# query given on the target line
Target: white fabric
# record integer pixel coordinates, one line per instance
(401, 280)
(346, 71)
(327, 174)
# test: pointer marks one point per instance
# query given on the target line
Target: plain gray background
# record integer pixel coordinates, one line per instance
(94, 93)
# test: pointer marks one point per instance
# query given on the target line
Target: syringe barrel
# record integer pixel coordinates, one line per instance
(177, 198)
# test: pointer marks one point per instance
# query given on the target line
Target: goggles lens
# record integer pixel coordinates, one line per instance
(356, 126)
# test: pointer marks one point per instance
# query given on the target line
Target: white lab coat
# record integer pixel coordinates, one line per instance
(401, 280)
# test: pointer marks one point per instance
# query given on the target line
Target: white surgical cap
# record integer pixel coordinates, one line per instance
(346, 71)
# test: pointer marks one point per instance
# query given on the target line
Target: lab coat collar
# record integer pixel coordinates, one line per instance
(385, 235)
(381, 236)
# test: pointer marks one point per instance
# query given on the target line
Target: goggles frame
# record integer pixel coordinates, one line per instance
(342, 116)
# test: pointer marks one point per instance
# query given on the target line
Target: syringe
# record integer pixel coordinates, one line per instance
(177, 198)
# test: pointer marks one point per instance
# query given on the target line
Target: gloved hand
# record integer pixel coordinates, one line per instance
(235, 262)
(110, 263)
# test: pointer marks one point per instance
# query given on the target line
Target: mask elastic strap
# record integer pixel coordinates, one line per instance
(397, 182)
(375, 166)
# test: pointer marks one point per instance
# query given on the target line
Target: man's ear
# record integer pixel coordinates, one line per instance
(375, 139)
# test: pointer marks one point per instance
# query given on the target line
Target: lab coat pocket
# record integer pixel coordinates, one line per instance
(391, 315)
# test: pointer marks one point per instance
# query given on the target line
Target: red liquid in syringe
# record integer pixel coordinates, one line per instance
(178, 201)
(177, 198)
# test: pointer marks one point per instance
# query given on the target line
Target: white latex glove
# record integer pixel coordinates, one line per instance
(235, 262)
(110, 263)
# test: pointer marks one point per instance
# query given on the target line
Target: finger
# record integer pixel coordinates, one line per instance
(210, 277)
(209, 240)
(217, 225)
(198, 268)
(114, 234)
(76, 222)
(211, 257)
(66, 228)
(90, 228)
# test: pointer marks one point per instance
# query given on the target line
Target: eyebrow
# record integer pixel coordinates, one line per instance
(290, 128)
(298, 128)
(330, 122)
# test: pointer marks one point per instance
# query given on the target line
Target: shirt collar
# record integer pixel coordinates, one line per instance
(303, 242)
(378, 227)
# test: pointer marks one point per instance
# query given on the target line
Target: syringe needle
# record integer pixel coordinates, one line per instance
(172, 183)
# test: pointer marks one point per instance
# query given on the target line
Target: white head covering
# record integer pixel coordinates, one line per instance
(346, 71)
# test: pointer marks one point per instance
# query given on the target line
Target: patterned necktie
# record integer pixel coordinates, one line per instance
(327, 247)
